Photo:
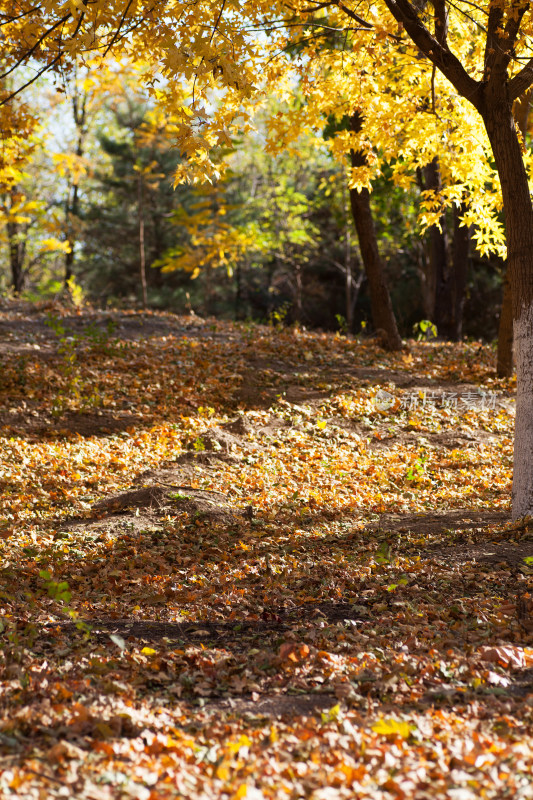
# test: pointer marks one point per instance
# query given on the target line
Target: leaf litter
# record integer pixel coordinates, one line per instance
(232, 574)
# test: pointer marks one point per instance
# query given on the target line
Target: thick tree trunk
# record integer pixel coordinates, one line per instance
(504, 360)
(499, 122)
(380, 302)
(492, 97)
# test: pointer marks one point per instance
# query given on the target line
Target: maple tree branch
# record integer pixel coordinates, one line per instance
(38, 74)
(119, 28)
(513, 23)
(521, 81)
(441, 22)
(39, 41)
(493, 49)
(442, 57)
(78, 26)
(23, 14)
(318, 6)
(469, 3)
(353, 15)
(217, 21)
(468, 16)
(500, 44)
(343, 8)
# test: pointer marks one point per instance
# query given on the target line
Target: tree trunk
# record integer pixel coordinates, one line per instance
(142, 252)
(237, 314)
(445, 272)
(500, 126)
(72, 213)
(72, 210)
(439, 261)
(348, 277)
(492, 97)
(504, 361)
(380, 302)
(298, 292)
(460, 253)
(17, 248)
(16, 257)
(426, 270)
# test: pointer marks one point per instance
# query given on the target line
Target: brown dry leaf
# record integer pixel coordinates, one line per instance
(506, 655)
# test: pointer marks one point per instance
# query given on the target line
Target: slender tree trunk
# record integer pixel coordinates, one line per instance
(500, 126)
(142, 251)
(16, 257)
(426, 270)
(442, 273)
(348, 269)
(298, 291)
(445, 277)
(17, 248)
(238, 292)
(504, 360)
(460, 254)
(380, 302)
(72, 212)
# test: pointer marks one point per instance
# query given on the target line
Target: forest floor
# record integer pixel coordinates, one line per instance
(247, 562)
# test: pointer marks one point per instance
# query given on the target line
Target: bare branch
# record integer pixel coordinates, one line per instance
(31, 51)
(217, 22)
(318, 6)
(10, 20)
(38, 74)
(119, 27)
(348, 11)
(513, 24)
(441, 56)
(354, 16)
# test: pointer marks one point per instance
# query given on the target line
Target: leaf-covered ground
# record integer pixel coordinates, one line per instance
(241, 562)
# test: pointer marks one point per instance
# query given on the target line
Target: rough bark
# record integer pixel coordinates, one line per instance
(380, 302)
(499, 122)
(504, 360)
